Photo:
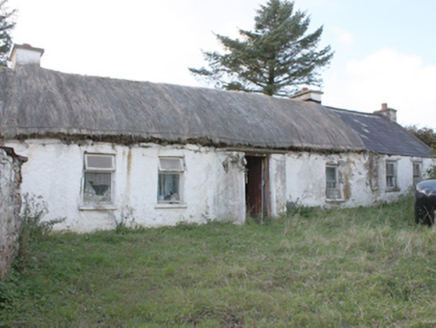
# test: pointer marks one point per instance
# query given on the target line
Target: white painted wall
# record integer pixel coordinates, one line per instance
(360, 185)
(55, 171)
(213, 182)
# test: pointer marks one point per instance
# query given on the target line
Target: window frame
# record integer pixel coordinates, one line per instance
(394, 175)
(337, 186)
(175, 171)
(416, 177)
(87, 168)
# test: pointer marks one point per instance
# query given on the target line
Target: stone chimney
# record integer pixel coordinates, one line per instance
(389, 113)
(308, 95)
(24, 54)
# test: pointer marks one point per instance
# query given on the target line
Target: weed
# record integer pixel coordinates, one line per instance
(32, 228)
(33, 232)
(126, 221)
(293, 208)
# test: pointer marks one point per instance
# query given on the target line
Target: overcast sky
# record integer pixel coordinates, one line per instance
(385, 50)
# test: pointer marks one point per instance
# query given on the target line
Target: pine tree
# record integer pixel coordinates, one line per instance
(6, 26)
(274, 59)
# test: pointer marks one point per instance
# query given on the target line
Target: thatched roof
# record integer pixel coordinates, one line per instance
(36, 102)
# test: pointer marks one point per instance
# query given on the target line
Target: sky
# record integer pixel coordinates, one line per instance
(385, 50)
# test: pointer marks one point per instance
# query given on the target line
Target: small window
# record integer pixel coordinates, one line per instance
(391, 175)
(332, 183)
(98, 183)
(417, 177)
(170, 180)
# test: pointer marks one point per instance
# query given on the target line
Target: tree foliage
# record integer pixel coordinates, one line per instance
(428, 136)
(7, 23)
(274, 58)
(425, 134)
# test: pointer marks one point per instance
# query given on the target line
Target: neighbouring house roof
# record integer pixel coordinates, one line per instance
(382, 136)
(37, 102)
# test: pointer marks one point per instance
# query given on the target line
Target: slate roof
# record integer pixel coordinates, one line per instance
(382, 136)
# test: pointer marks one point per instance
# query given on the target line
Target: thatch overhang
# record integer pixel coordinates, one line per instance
(38, 103)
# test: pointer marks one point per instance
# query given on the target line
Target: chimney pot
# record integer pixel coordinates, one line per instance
(389, 113)
(304, 89)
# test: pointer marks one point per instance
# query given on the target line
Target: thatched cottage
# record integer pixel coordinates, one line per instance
(100, 149)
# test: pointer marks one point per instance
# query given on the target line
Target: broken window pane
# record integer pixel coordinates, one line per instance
(97, 187)
(168, 187)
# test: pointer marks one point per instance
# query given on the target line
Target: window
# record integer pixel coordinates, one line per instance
(332, 183)
(98, 183)
(416, 173)
(391, 175)
(170, 180)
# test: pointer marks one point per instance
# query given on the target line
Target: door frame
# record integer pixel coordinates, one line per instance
(265, 178)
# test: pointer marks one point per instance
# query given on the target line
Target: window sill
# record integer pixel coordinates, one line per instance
(339, 200)
(393, 190)
(168, 205)
(97, 207)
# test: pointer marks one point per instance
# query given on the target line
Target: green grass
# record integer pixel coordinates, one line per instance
(317, 268)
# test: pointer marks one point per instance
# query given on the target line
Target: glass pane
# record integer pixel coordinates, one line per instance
(171, 164)
(416, 170)
(168, 187)
(390, 168)
(330, 173)
(99, 162)
(390, 181)
(97, 187)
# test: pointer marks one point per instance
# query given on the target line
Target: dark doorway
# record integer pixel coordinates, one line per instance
(256, 185)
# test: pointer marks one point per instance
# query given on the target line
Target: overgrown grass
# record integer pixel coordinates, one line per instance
(338, 268)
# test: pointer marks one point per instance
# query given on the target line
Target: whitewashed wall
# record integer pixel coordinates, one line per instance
(362, 178)
(210, 192)
(213, 182)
